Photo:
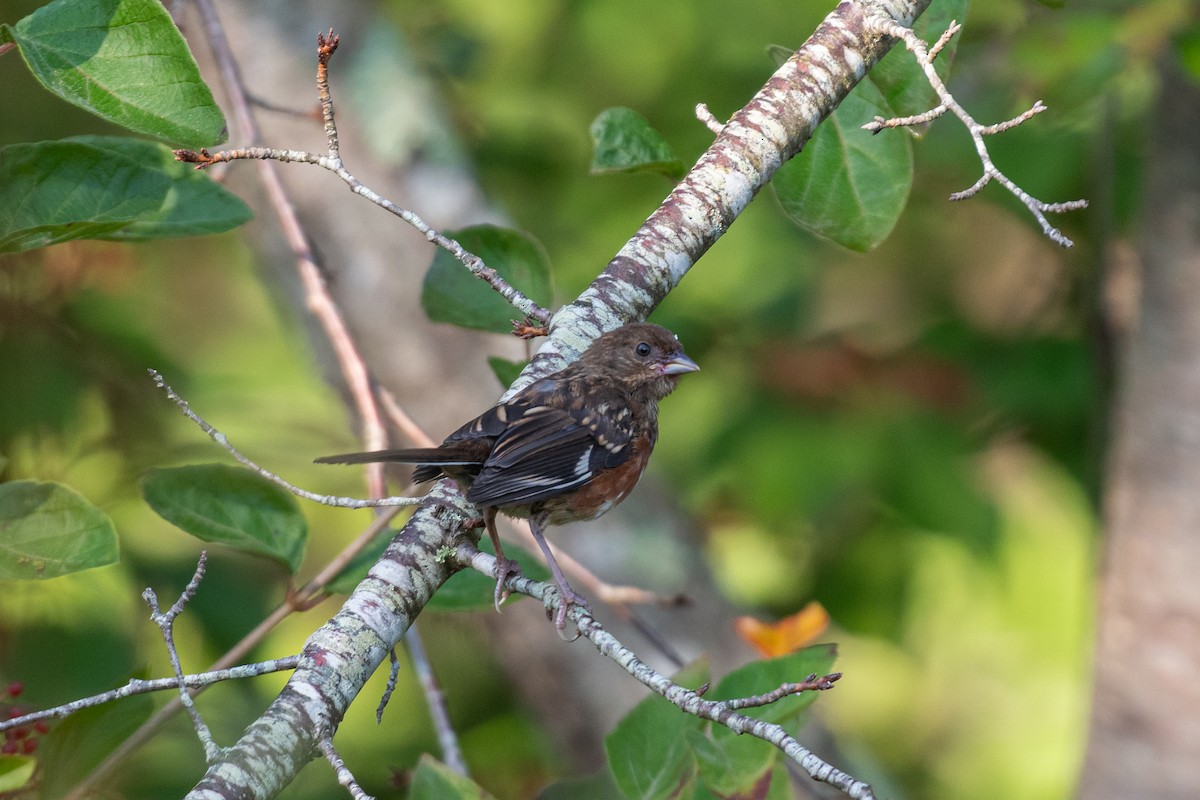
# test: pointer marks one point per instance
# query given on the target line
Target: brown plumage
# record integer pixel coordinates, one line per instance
(566, 448)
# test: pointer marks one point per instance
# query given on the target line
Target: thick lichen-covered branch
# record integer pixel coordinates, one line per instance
(751, 146)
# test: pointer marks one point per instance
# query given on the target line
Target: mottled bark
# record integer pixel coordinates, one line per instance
(1145, 734)
(770, 129)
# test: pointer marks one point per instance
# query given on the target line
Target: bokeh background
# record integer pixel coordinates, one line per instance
(914, 437)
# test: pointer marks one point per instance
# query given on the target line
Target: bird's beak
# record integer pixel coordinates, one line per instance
(678, 365)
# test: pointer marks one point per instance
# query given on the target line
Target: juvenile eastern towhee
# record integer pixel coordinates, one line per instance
(566, 448)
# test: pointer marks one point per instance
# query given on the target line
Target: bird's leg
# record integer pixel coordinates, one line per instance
(567, 595)
(503, 565)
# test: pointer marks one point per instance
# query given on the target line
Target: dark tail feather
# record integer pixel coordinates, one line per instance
(416, 455)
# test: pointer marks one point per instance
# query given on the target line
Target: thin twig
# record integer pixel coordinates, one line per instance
(656, 639)
(221, 439)
(203, 159)
(390, 686)
(951, 30)
(1000, 127)
(332, 161)
(327, 45)
(305, 598)
(406, 425)
(452, 753)
(317, 298)
(813, 683)
(688, 700)
(344, 776)
(710, 121)
(140, 686)
(879, 123)
(166, 626)
(619, 598)
(924, 57)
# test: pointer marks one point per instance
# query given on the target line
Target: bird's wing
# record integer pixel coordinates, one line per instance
(546, 451)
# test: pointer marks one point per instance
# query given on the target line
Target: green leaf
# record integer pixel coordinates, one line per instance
(435, 781)
(80, 742)
(847, 185)
(733, 766)
(776, 785)
(15, 772)
(760, 677)
(781, 787)
(106, 187)
(123, 60)
(194, 205)
(902, 81)
(598, 786)
(232, 506)
(468, 590)
(53, 192)
(648, 752)
(506, 371)
(850, 186)
(452, 294)
(48, 530)
(624, 141)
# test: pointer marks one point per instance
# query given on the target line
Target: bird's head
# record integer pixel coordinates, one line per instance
(642, 356)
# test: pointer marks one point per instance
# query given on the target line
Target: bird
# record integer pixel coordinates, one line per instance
(567, 448)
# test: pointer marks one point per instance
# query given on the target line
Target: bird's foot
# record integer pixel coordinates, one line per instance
(504, 568)
(568, 597)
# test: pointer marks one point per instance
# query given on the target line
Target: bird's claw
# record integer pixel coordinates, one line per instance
(504, 568)
(568, 597)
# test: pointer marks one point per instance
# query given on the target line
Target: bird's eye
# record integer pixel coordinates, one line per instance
(642, 349)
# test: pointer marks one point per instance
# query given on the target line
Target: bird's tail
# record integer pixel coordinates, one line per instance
(430, 459)
(411, 455)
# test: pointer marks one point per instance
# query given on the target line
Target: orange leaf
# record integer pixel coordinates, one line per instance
(787, 635)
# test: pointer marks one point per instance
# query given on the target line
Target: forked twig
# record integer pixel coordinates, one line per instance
(924, 57)
(332, 160)
(221, 439)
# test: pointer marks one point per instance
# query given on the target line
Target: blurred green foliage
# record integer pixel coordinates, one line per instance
(913, 437)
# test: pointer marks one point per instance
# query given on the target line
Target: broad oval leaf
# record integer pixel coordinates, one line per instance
(48, 530)
(597, 786)
(15, 772)
(648, 752)
(123, 60)
(847, 185)
(53, 192)
(733, 766)
(433, 780)
(624, 141)
(232, 506)
(452, 294)
(106, 187)
(194, 205)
